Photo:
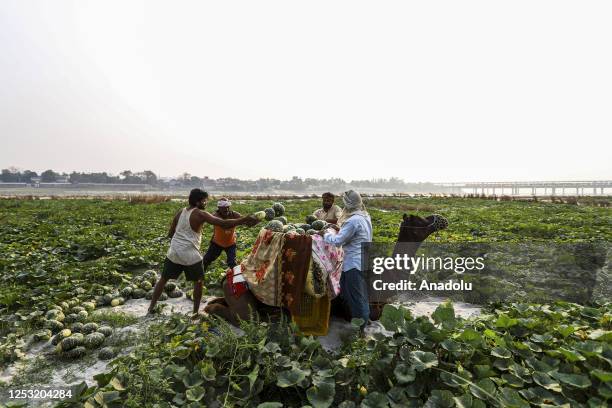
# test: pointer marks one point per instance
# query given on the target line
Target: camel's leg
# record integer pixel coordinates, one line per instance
(237, 309)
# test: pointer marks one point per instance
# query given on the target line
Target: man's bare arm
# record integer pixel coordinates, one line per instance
(229, 223)
(172, 229)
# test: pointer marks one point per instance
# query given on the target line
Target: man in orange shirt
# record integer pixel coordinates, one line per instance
(223, 239)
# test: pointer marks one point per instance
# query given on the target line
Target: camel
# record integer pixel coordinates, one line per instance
(412, 232)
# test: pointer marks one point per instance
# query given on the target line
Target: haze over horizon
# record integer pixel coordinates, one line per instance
(440, 92)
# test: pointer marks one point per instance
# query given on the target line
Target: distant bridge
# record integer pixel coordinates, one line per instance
(548, 187)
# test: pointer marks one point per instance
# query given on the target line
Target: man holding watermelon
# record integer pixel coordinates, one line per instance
(223, 239)
(184, 252)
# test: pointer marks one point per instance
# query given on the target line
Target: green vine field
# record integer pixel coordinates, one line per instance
(524, 350)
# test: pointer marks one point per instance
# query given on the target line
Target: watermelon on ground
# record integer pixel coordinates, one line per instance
(270, 214)
(279, 209)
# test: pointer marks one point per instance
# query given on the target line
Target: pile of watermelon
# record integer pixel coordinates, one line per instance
(277, 221)
(68, 329)
(67, 324)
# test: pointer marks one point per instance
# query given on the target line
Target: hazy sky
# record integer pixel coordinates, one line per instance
(425, 91)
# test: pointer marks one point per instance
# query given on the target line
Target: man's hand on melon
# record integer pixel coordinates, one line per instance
(251, 220)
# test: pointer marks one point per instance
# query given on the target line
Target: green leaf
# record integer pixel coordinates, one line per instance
(423, 360)
(501, 352)
(505, 322)
(470, 336)
(375, 400)
(450, 345)
(571, 355)
(544, 380)
(464, 401)
(322, 395)
(193, 379)
(575, 380)
(404, 373)
(483, 389)
(392, 317)
(512, 399)
(601, 335)
(195, 393)
(605, 376)
(208, 371)
(290, 377)
(116, 384)
(440, 399)
(445, 315)
(270, 405)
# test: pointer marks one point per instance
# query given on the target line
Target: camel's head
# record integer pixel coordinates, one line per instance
(416, 229)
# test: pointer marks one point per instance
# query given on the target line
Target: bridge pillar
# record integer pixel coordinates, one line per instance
(602, 191)
(553, 191)
(563, 191)
(582, 193)
(577, 191)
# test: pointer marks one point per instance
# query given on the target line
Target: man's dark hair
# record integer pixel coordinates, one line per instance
(328, 195)
(196, 195)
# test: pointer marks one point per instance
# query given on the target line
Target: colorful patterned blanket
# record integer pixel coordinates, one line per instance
(260, 268)
(326, 268)
(282, 266)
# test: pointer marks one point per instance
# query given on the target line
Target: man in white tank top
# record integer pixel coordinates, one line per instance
(184, 253)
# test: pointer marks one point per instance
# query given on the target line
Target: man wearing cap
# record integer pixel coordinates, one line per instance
(223, 239)
(330, 211)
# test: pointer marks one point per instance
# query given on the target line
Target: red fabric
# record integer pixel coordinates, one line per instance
(237, 288)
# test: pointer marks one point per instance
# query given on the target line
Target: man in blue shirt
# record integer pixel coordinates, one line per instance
(355, 229)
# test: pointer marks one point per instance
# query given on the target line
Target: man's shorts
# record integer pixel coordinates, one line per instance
(193, 272)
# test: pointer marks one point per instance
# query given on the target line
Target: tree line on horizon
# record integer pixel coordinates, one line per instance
(13, 175)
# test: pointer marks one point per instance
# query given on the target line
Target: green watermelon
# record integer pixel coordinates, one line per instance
(311, 231)
(106, 353)
(107, 298)
(318, 225)
(176, 293)
(170, 286)
(305, 227)
(287, 228)
(126, 292)
(149, 295)
(270, 214)
(300, 231)
(279, 209)
(77, 327)
(275, 225)
(55, 314)
(310, 219)
(260, 215)
(117, 301)
(94, 340)
(69, 343)
(163, 297)
(70, 318)
(89, 306)
(282, 219)
(75, 352)
(54, 325)
(43, 335)
(77, 309)
(82, 316)
(105, 330)
(146, 285)
(89, 328)
(138, 293)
